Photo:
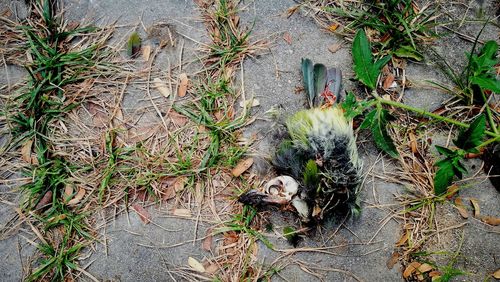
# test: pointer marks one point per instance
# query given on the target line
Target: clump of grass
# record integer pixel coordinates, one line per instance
(230, 43)
(398, 27)
(35, 114)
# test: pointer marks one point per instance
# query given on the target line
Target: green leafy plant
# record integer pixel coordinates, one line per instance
(366, 69)
(398, 25)
(241, 223)
(467, 142)
(470, 137)
(377, 120)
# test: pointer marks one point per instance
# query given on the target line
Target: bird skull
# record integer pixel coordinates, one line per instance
(282, 186)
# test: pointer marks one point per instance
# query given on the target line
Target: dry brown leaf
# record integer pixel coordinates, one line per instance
(146, 52)
(161, 87)
(333, 27)
(183, 84)
(451, 191)
(490, 220)
(99, 114)
(68, 192)
(461, 208)
(475, 205)
(424, 267)
(46, 199)
(212, 268)
(242, 166)
(26, 151)
(144, 215)
(403, 239)
(410, 269)
(287, 37)
(207, 242)
(413, 142)
(334, 47)
(496, 274)
(179, 184)
(178, 119)
(392, 260)
(196, 265)
(77, 198)
(182, 212)
(388, 81)
(434, 273)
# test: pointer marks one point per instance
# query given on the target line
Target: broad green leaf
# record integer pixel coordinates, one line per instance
(471, 137)
(365, 69)
(363, 61)
(351, 107)
(445, 151)
(408, 52)
(380, 135)
(368, 121)
(320, 74)
(458, 167)
(487, 83)
(489, 49)
(133, 44)
(308, 79)
(444, 176)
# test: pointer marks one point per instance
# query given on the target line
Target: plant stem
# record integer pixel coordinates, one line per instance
(488, 113)
(489, 141)
(429, 114)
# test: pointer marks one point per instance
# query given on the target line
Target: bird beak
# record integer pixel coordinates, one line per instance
(257, 198)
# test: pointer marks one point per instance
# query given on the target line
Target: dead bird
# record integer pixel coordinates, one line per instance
(318, 163)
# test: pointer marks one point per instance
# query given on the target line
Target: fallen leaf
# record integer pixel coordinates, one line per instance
(475, 205)
(179, 184)
(178, 119)
(183, 84)
(161, 87)
(334, 47)
(410, 269)
(146, 52)
(196, 265)
(26, 151)
(250, 102)
(392, 260)
(413, 142)
(182, 212)
(461, 208)
(144, 215)
(490, 220)
(424, 267)
(333, 27)
(496, 274)
(434, 273)
(212, 268)
(46, 199)
(389, 79)
(77, 198)
(207, 242)
(287, 37)
(451, 191)
(68, 192)
(242, 166)
(403, 239)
